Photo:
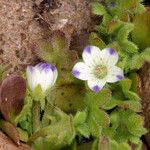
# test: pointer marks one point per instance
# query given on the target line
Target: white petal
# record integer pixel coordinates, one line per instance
(114, 74)
(48, 78)
(33, 76)
(81, 71)
(92, 56)
(55, 75)
(109, 56)
(96, 85)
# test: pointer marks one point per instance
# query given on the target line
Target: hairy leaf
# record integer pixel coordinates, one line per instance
(12, 94)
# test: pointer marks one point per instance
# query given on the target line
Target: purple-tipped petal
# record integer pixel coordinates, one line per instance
(76, 73)
(46, 67)
(120, 77)
(88, 49)
(109, 56)
(96, 85)
(42, 74)
(81, 71)
(115, 74)
(96, 88)
(91, 55)
(111, 51)
(53, 68)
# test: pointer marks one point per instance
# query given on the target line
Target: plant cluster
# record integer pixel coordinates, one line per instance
(60, 116)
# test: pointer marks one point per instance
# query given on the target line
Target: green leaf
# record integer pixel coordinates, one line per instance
(140, 9)
(146, 54)
(59, 133)
(79, 118)
(98, 9)
(96, 120)
(124, 146)
(98, 99)
(96, 41)
(84, 130)
(124, 32)
(122, 38)
(110, 104)
(131, 95)
(23, 135)
(95, 145)
(135, 125)
(125, 84)
(141, 32)
(129, 47)
(113, 145)
(130, 104)
(94, 123)
(59, 41)
(135, 81)
(25, 116)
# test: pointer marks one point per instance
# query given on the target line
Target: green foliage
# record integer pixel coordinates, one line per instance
(55, 48)
(139, 59)
(97, 117)
(98, 9)
(97, 41)
(39, 95)
(117, 28)
(69, 97)
(123, 97)
(126, 126)
(59, 133)
(141, 32)
(81, 125)
(24, 119)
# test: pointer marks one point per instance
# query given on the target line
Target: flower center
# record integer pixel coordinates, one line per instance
(100, 71)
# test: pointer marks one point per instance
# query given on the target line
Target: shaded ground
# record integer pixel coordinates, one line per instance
(145, 95)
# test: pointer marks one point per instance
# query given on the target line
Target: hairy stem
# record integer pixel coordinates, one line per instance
(36, 116)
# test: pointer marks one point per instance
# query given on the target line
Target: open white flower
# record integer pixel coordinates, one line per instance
(98, 67)
(42, 74)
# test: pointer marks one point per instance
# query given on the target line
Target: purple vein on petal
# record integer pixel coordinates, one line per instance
(46, 67)
(53, 68)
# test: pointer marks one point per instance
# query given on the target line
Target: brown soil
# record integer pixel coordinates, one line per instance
(23, 23)
(7, 144)
(18, 33)
(145, 95)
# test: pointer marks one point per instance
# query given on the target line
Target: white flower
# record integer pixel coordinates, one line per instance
(42, 74)
(98, 67)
